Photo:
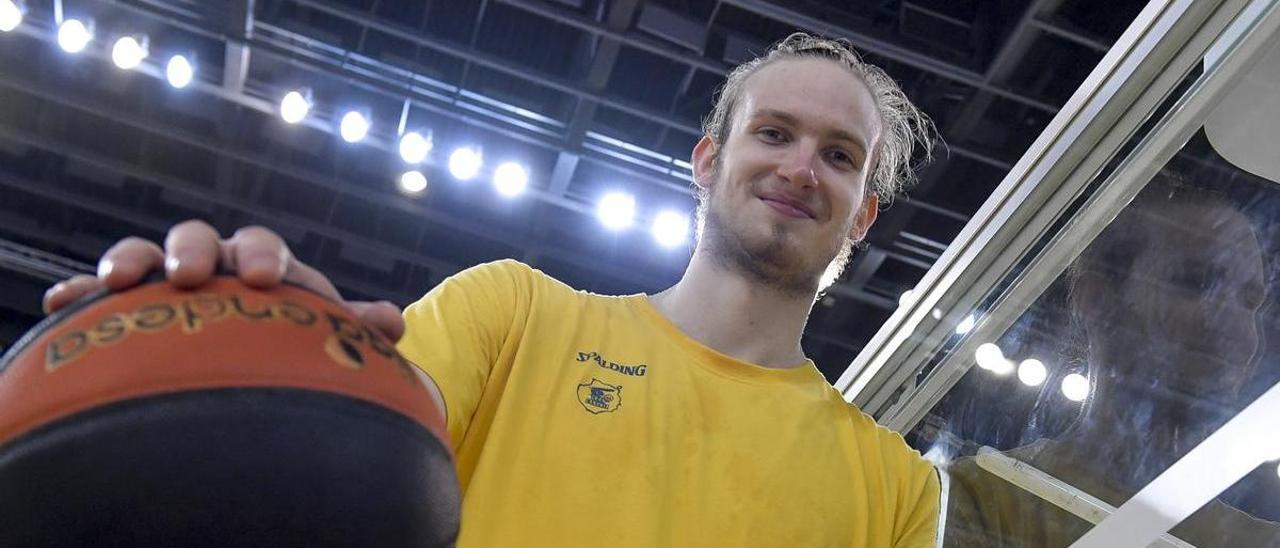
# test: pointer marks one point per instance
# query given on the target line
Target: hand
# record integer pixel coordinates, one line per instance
(193, 251)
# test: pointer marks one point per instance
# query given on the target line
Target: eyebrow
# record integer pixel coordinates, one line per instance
(837, 134)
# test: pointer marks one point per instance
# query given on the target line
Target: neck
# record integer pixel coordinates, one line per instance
(736, 315)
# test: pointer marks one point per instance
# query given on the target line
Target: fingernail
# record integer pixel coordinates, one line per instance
(105, 267)
(54, 290)
(171, 263)
(257, 262)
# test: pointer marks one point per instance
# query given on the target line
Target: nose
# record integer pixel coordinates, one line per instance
(797, 165)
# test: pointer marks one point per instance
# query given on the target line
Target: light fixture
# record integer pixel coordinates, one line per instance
(670, 229)
(413, 182)
(74, 35)
(11, 13)
(179, 71)
(129, 51)
(990, 357)
(966, 325)
(510, 179)
(295, 105)
(354, 126)
(616, 210)
(937, 314)
(1075, 387)
(1032, 372)
(414, 147)
(465, 163)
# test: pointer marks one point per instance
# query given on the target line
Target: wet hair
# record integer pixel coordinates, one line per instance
(903, 125)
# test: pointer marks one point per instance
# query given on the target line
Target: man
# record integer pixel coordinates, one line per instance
(686, 418)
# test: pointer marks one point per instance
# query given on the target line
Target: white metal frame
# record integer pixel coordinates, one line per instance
(1166, 40)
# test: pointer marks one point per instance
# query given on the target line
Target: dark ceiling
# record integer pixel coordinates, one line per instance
(590, 94)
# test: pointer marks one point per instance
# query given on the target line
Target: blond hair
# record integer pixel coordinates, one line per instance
(904, 126)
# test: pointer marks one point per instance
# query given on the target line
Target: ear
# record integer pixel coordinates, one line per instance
(704, 161)
(866, 217)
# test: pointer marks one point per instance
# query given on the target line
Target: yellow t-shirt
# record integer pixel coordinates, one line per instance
(587, 420)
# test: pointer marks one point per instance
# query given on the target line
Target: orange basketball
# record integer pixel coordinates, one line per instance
(221, 416)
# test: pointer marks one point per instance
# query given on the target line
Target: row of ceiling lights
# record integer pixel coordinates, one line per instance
(615, 210)
(1031, 372)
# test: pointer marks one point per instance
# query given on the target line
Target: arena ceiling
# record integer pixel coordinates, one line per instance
(591, 95)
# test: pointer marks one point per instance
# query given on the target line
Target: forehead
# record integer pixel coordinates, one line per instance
(820, 92)
(1215, 234)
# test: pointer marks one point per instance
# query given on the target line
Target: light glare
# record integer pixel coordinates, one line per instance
(510, 179)
(10, 15)
(179, 71)
(1075, 387)
(414, 148)
(1032, 372)
(413, 182)
(966, 325)
(128, 52)
(616, 210)
(464, 163)
(354, 126)
(294, 107)
(990, 357)
(670, 229)
(73, 36)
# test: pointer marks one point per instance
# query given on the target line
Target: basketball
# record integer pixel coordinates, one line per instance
(221, 416)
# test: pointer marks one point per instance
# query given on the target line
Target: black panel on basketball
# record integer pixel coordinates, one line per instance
(229, 467)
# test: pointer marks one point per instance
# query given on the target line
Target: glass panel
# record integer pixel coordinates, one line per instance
(1160, 332)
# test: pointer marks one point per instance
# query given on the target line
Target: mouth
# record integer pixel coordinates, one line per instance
(787, 206)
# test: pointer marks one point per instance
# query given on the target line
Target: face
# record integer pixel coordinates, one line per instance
(787, 188)
(1185, 315)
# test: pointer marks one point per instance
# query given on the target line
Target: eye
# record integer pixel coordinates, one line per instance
(772, 135)
(842, 159)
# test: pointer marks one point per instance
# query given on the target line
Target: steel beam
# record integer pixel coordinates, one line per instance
(888, 50)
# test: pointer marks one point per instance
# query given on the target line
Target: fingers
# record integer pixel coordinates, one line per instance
(312, 279)
(259, 256)
(191, 253)
(65, 292)
(382, 315)
(128, 262)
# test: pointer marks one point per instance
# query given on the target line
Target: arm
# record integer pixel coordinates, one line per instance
(461, 333)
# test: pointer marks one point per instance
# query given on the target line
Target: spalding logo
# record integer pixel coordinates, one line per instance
(598, 397)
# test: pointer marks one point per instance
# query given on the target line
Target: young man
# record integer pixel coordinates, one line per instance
(686, 418)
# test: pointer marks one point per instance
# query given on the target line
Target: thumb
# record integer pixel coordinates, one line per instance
(382, 315)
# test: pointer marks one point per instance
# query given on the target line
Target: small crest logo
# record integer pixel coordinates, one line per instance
(598, 397)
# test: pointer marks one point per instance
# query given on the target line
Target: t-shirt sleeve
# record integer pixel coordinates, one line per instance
(920, 505)
(457, 332)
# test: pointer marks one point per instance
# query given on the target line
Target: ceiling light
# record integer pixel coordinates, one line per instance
(294, 106)
(414, 147)
(464, 163)
(1075, 387)
(11, 13)
(1032, 372)
(671, 229)
(179, 71)
(990, 357)
(937, 314)
(354, 126)
(510, 179)
(74, 35)
(129, 51)
(413, 182)
(616, 210)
